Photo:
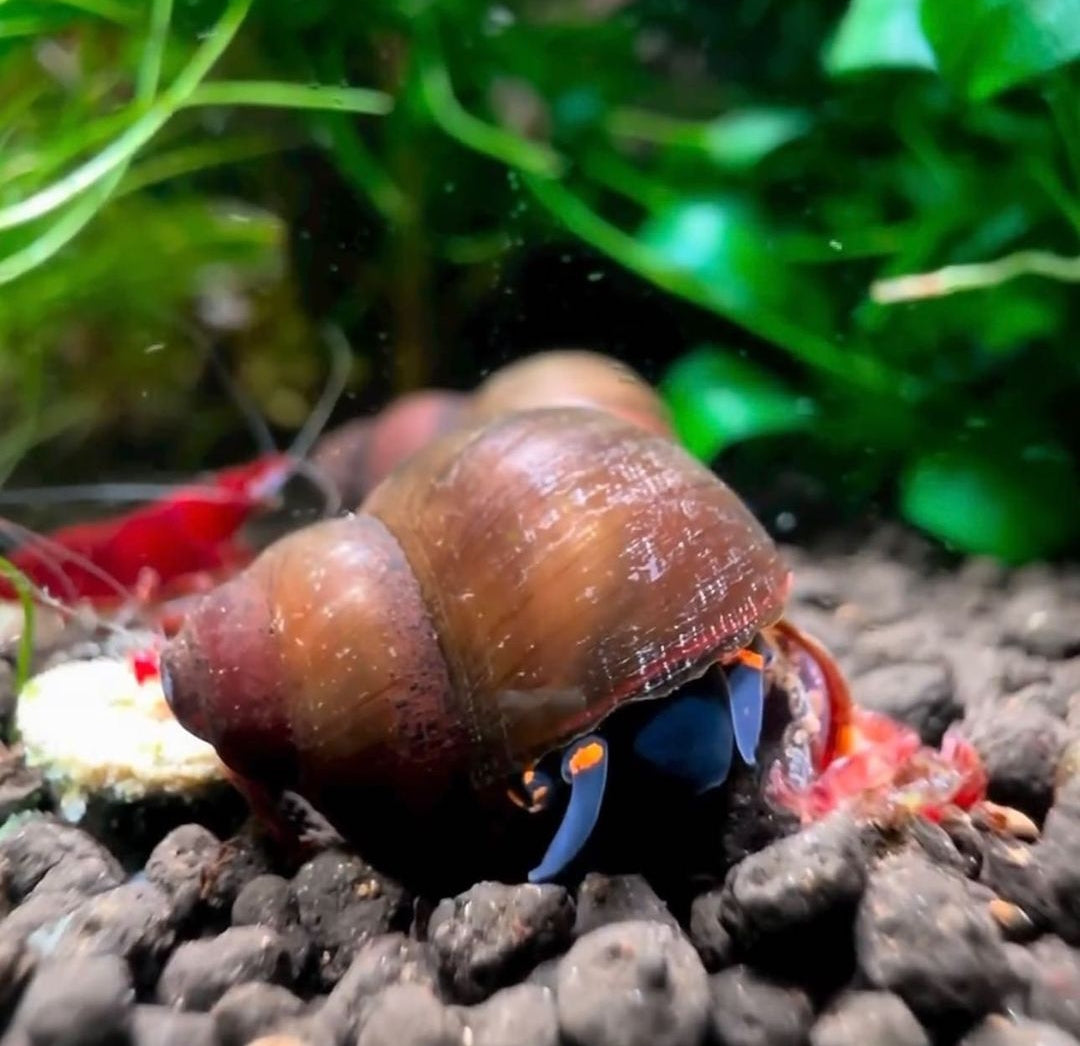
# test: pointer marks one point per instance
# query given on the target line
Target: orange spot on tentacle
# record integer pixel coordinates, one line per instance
(586, 757)
(751, 658)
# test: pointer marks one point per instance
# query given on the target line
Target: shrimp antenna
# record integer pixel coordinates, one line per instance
(321, 482)
(46, 599)
(340, 366)
(257, 424)
(57, 554)
(114, 492)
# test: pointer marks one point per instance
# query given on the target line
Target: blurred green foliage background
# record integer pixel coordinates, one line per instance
(843, 236)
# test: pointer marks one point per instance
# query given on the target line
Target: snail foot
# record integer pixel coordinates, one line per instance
(692, 737)
(584, 768)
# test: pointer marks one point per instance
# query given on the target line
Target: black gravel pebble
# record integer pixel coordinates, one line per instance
(524, 1015)
(1017, 873)
(918, 694)
(200, 972)
(22, 787)
(47, 855)
(747, 1010)
(131, 921)
(797, 880)
(915, 639)
(985, 673)
(938, 845)
(921, 934)
(7, 690)
(409, 1015)
(201, 874)
(42, 914)
(16, 969)
(307, 1030)
(493, 934)
(707, 931)
(868, 1018)
(603, 899)
(1040, 621)
(249, 1010)
(1001, 1031)
(163, 1026)
(803, 887)
(342, 903)
(239, 860)
(267, 900)
(77, 1002)
(1020, 746)
(633, 984)
(1059, 857)
(968, 840)
(879, 592)
(1054, 984)
(180, 865)
(381, 962)
(545, 974)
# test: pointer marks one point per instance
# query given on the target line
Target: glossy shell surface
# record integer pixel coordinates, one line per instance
(571, 562)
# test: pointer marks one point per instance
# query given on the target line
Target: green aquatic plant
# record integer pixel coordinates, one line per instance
(961, 384)
(851, 223)
(24, 590)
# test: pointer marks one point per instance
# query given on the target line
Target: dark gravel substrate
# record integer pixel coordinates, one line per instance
(840, 934)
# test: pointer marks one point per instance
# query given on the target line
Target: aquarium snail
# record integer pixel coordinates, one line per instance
(456, 651)
(355, 456)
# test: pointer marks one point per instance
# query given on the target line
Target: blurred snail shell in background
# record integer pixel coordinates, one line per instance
(359, 453)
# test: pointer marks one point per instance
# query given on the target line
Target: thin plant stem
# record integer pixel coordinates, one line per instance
(149, 74)
(121, 14)
(55, 155)
(61, 232)
(1062, 100)
(128, 143)
(472, 132)
(69, 225)
(811, 349)
(1051, 183)
(22, 588)
(201, 156)
(276, 94)
(619, 176)
(976, 276)
(364, 172)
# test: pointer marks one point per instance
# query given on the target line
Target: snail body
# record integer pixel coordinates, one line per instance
(429, 666)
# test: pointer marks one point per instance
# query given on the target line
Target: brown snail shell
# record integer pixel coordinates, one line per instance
(499, 594)
(356, 456)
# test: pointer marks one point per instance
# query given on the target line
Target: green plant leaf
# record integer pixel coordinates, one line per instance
(879, 34)
(989, 504)
(737, 140)
(988, 46)
(718, 399)
(741, 139)
(720, 242)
